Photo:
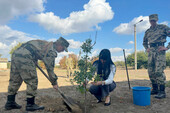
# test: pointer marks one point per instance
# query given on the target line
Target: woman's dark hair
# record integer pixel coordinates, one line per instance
(105, 55)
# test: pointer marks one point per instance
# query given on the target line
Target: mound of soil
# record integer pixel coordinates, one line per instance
(121, 101)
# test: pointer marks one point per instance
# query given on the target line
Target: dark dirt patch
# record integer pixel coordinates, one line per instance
(121, 101)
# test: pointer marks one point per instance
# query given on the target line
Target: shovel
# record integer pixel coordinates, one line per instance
(67, 100)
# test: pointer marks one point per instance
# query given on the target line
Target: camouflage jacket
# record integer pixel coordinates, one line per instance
(156, 35)
(43, 50)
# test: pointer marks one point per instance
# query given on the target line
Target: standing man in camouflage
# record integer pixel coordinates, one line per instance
(23, 68)
(69, 65)
(154, 40)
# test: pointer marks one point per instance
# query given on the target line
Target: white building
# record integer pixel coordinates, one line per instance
(3, 63)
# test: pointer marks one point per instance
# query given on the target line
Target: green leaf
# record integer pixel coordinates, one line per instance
(86, 70)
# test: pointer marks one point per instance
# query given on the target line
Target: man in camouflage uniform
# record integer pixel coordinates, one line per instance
(23, 68)
(69, 65)
(154, 40)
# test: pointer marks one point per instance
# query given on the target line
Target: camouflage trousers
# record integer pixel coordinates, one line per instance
(156, 66)
(23, 69)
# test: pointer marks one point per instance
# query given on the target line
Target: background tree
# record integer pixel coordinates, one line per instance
(41, 64)
(120, 63)
(0, 55)
(130, 60)
(168, 59)
(94, 59)
(62, 62)
(14, 48)
(142, 59)
(78, 58)
(75, 60)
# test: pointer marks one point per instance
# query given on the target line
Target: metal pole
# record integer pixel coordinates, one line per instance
(135, 47)
(126, 69)
(135, 43)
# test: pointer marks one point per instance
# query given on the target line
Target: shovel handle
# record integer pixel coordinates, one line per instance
(48, 78)
(72, 105)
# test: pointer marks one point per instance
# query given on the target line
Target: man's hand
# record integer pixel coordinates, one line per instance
(162, 48)
(55, 86)
(97, 83)
(148, 50)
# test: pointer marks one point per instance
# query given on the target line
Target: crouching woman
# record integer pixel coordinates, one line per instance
(106, 69)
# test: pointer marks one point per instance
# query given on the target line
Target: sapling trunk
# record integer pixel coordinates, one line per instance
(86, 71)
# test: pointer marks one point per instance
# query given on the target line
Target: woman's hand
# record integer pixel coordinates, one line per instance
(97, 83)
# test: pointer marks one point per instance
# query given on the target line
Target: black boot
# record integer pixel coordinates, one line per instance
(31, 106)
(161, 93)
(11, 104)
(154, 89)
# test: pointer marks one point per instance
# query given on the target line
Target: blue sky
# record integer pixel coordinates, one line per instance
(77, 20)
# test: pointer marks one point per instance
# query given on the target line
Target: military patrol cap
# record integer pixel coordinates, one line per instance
(153, 17)
(64, 43)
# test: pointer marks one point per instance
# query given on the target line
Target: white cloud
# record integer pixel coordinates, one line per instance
(57, 60)
(9, 38)
(65, 53)
(129, 50)
(10, 9)
(74, 44)
(128, 28)
(3, 46)
(98, 27)
(130, 42)
(121, 58)
(115, 50)
(95, 12)
(117, 58)
(165, 22)
(61, 55)
(94, 53)
(52, 39)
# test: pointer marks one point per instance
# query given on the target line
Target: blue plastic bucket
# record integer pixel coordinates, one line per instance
(141, 95)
